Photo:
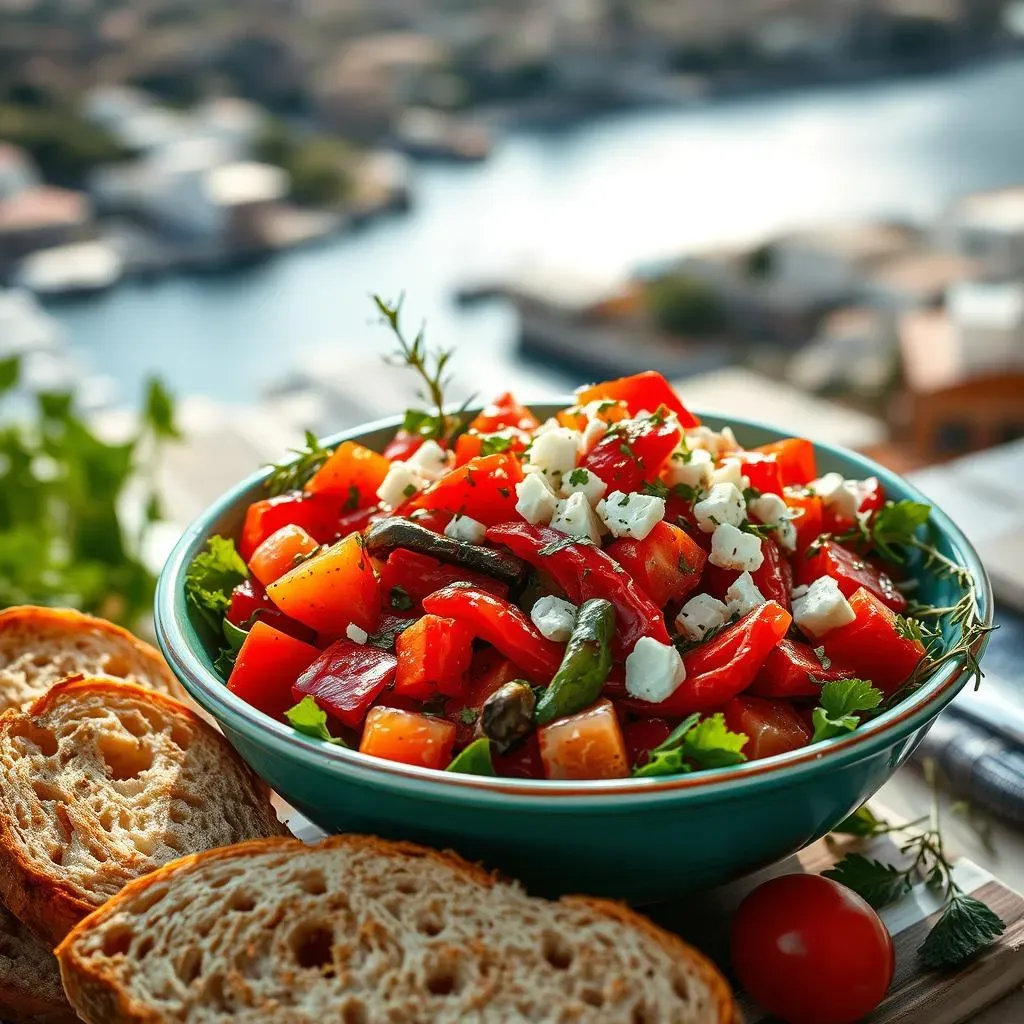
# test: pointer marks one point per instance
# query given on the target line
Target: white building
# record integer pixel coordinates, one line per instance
(110, 106)
(989, 226)
(988, 320)
(233, 123)
(17, 171)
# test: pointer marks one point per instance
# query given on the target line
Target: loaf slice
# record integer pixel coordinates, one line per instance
(357, 929)
(104, 781)
(39, 646)
(30, 988)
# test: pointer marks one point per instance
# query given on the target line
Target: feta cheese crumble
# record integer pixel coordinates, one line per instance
(654, 671)
(554, 618)
(743, 596)
(822, 608)
(701, 615)
(843, 496)
(466, 528)
(731, 548)
(771, 510)
(724, 504)
(585, 482)
(689, 468)
(401, 482)
(430, 461)
(574, 517)
(631, 515)
(355, 634)
(554, 452)
(536, 502)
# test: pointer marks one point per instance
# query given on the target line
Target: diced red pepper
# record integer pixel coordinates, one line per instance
(811, 522)
(632, 453)
(763, 470)
(642, 736)
(666, 565)
(403, 445)
(723, 667)
(501, 624)
(647, 390)
(353, 472)
(771, 726)
(431, 518)
(268, 662)
(408, 737)
(584, 571)
(796, 459)
(433, 656)
(483, 489)
(503, 412)
(317, 514)
(417, 575)
(872, 645)
(489, 671)
(250, 603)
(851, 572)
(346, 679)
(331, 590)
(872, 498)
(523, 761)
(788, 672)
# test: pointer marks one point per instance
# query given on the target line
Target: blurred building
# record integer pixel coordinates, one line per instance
(17, 171)
(39, 218)
(989, 227)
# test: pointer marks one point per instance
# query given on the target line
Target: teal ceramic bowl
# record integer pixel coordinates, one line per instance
(643, 840)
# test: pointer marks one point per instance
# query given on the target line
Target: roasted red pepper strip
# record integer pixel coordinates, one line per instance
(346, 679)
(501, 624)
(584, 571)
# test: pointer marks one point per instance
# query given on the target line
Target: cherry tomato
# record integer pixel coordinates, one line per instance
(811, 951)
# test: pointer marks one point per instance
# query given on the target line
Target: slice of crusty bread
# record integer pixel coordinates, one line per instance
(357, 929)
(40, 646)
(104, 781)
(30, 988)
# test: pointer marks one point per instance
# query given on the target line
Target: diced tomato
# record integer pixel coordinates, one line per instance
(352, 472)
(642, 736)
(666, 565)
(771, 726)
(416, 575)
(788, 669)
(346, 679)
(872, 498)
(647, 390)
(763, 470)
(280, 552)
(811, 522)
(317, 514)
(488, 672)
(851, 572)
(470, 445)
(402, 446)
(721, 668)
(523, 761)
(796, 459)
(774, 578)
(626, 457)
(408, 737)
(483, 489)
(331, 590)
(504, 411)
(433, 656)
(587, 745)
(872, 645)
(268, 662)
(610, 411)
(250, 603)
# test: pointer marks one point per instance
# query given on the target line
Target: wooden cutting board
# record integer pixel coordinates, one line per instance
(918, 995)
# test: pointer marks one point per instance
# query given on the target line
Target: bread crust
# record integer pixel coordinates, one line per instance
(44, 620)
(94, 991)
(30, 986)
(47, 906)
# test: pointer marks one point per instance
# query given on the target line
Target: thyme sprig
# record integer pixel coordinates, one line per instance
(293, 475)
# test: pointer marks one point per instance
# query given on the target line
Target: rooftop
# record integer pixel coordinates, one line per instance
(856, 242)
(43, 207)
(998, 210)
(924, 274)
(987, 305)
(242, 183)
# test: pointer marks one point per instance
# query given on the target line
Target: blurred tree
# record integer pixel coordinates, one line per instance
(685, 306)
(319, 166)
(760, 261)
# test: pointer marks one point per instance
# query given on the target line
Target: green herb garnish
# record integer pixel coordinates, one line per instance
(564, 542)
(839, 707)
(695, 744)
(307, 717)
(210, 579)
(294, 475)
(474, 759)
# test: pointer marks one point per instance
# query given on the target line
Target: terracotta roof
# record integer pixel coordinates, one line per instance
(932, 355)
(924, 273)
(43, 207)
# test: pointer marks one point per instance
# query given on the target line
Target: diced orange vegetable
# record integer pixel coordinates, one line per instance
(811, 521)
(470, 445)
(352, 471)
(483, 489)
(331, 590)
(280, 552)
(647, 390)
(408, 737)
(268, 662)
(587, 745)
(795, 457)
(504, 411)
(433, 656)
(611, 411)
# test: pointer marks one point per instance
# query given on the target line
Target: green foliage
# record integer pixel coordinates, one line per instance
(685, 306)
(212, 576)
(307, 718)
(839, 706)
(474, 759)
(695, 743)
(64, 145)
(62, 541)
(319, 166)
(760, 261)
(967, 925)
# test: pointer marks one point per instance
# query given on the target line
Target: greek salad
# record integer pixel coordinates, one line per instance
(618, 590)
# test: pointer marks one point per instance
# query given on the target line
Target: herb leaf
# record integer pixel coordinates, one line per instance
(307, 717)
(564, 542)
(863, 823)
(474, 759)
(896, 525)
(695, 744)
(876, 882)
(493, 444)
(211, 577)
(293, 475)
(839, 704)
(966, 926)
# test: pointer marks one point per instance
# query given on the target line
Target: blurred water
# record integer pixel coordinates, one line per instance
(595, 199)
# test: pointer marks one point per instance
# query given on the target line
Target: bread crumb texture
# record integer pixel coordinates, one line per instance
(30, 988)
(358, 931)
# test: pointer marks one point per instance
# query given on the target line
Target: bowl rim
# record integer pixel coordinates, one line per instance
(210, 692)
